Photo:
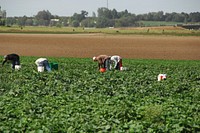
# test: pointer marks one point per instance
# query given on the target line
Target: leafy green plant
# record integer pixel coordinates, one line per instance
(78, 98)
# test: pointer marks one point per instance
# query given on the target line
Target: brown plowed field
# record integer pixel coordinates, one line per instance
(89, 45)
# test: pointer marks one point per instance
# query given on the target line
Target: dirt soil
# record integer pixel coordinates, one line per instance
(89, 45)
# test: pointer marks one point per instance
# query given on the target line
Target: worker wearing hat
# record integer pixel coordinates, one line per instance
(103, 61)
(43, 62)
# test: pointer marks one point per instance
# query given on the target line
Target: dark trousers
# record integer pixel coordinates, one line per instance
(15, 63)
(45, 64)
(119, 64)
(107, 64)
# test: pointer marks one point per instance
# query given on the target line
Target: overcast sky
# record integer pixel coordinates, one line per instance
(69, 7)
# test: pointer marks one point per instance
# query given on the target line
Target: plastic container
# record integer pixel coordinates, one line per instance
(17, 67)
(53, 66)
(40, 69)
(123, 68)
(162, 77)
(102, 70)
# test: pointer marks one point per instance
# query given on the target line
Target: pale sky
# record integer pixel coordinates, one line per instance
(69, 7)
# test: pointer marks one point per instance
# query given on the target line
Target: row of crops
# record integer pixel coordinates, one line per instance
(78, 98)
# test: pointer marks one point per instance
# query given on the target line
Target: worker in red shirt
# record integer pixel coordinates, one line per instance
(103, 61)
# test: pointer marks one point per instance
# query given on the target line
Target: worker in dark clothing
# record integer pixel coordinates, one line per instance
(14, 59)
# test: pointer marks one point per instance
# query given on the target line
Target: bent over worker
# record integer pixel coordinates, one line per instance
(116, 61)
(103, 61)
(43, 62)
(13, 58)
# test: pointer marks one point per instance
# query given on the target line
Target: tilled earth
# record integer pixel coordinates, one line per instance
(89, 45)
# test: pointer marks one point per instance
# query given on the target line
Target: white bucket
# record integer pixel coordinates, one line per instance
(40, 69)
(17, 67)
(162, 77)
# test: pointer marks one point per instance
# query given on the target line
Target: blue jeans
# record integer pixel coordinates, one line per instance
(107, 64)
(45, 64)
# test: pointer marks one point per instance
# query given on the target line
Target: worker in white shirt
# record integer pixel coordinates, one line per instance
(42, 64)
(116, 61)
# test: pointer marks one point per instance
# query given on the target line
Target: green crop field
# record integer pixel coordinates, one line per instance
(78, 98)
(158, 30)
(159, 23)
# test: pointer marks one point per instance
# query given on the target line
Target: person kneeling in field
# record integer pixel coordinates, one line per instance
(14, 59)
(103, 61)
(116, 61)
(42, 64)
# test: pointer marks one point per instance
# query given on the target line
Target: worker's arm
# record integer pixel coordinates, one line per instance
(4, 61)
(99, 66)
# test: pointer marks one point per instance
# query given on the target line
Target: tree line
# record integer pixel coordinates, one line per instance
(104, 18)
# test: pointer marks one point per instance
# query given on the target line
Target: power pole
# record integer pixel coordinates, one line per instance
(107, 4)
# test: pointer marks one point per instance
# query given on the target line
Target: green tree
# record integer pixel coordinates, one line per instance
(124, 13)
(102, 22)
(44, 17)
(22, 21)
(125, 22)
(77, 18)
(160, 16)
(114, 14)
(194, 17)
(93, 15)
(2, 22)
(11, 21)
(64, 21)
(155, 16)
(88, 22)
(75, 23)
(29, 22)
(168, 17)
(177, 17)
(104, 13)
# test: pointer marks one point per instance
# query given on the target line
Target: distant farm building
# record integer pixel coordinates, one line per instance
(54, 22)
